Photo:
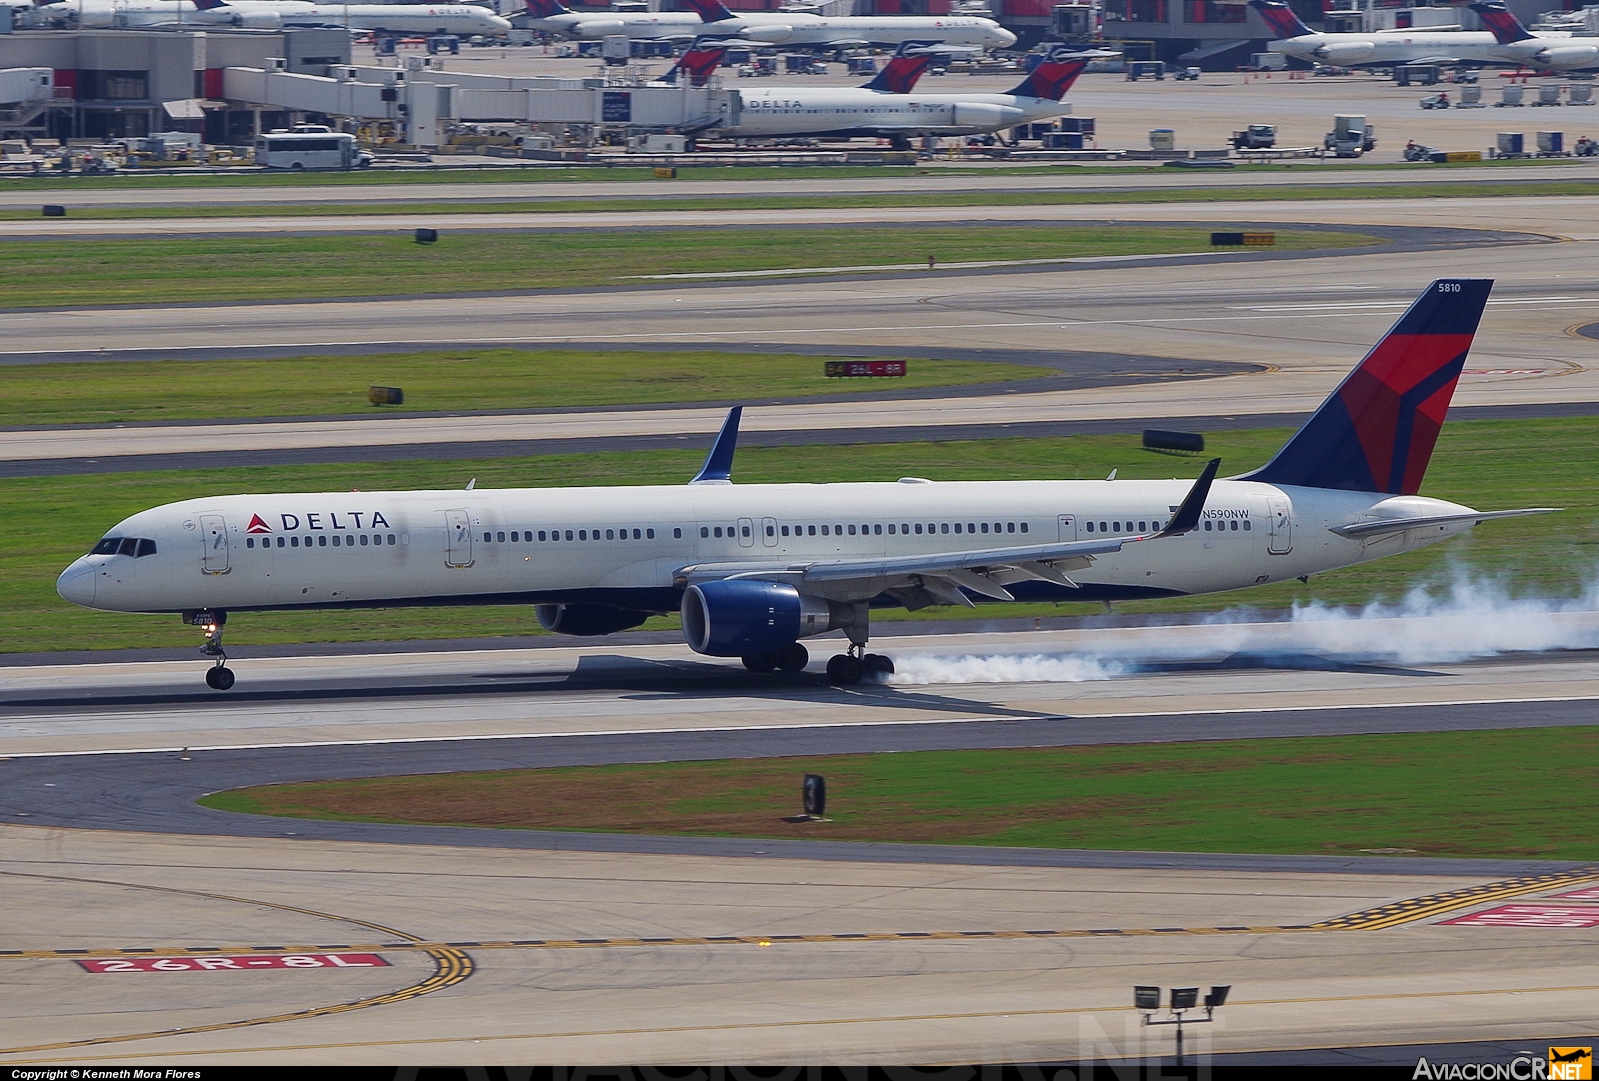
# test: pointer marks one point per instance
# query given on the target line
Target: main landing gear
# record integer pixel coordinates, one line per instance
(844, 669)
(791, 658)
(848, 669)
(219, 677)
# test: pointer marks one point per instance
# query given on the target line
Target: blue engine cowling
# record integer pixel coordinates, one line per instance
(744, 617)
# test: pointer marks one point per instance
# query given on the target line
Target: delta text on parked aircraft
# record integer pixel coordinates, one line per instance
(1508, 43)
(887, 106)
(756, 568)
(464, 19)
(777, 28)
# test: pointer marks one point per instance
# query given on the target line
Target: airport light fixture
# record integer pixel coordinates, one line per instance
(1146, 1000)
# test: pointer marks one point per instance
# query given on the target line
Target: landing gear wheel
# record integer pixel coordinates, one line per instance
(793, 657)
(844, 670)
(219, 678)
(762, 662)
(878, 665)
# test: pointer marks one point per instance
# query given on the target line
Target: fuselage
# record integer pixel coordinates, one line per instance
(1552, 49)
(843, 111)
(635, 547)
(394, 18)
(783, 28)
(98, 14)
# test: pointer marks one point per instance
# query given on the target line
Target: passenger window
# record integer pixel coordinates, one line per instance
(944, 528)
(677, 532)
(294, 542)
(610, 534)
(971, 527)
(771, 531)
(812, 530)
(542, 534)
(985, 528)
(638, 536)
(582, 534)
(1234, 526)
(957, 527)
(705, 531)
(322, 541)
(852, 529)
(568, 534)
(890, 529)
(249, 542)
(1010, 527)
(838, 530)
(745, 530)
(1024, 527)
(877, 529)
(918, 528)
(1207, 526)
(280, 542)
(785, 531)
(1104, 527)
(904, 527)
(500, 536)
(364, 540)
(1090, 527)
(1246, 525)
(717, 531)
(824, 531)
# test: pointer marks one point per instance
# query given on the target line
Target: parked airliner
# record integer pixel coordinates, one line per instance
(1552, 50)
(755, 568)
(776, 28)
(97, 14)
(899, 76)
(1388, 47)
(881, 110)
(464, 19)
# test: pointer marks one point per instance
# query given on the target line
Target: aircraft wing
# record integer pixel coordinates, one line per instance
(939, 577)
(1380, 526)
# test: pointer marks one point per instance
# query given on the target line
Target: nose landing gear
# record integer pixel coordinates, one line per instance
(219, 677)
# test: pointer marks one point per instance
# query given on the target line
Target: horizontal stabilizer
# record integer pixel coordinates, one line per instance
(1380, 526)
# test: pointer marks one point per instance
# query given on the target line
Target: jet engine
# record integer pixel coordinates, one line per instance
(587, 620)
(1563, 57)
(1346, 52)
(743, 617)
(971, 114)
(252, 20)
(775, 33)
(600, 29)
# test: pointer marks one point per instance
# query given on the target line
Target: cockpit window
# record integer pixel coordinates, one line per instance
(125, 546)
(128, 546)
(107, 547)
(146, 547)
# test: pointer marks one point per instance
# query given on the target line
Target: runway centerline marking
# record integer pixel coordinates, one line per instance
(869, 723)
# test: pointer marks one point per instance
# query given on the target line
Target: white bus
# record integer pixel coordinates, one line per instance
(309, 149)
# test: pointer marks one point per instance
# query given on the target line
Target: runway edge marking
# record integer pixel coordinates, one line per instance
(450, 967)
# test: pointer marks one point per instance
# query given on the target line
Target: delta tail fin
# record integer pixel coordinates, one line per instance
(1055, 73)
(710, 11)
(700, 61)
(907, 65)
(547, 9)
(718, 467)
(1376, 432)
(1507, 29)
(1281, 18)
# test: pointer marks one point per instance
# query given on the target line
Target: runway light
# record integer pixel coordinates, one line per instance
(766, 942)
(1146, 999)
(1184, 998)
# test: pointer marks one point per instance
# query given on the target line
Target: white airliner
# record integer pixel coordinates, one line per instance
(888, 106)
(756, 568)
(785, 28)
(1507, 43)
(462, 19)
(98, 14)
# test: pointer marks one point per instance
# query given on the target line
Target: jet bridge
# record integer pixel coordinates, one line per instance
(428, 100)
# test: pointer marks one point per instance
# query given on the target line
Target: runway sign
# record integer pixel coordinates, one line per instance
(1591, 893)
(304, 961)
(1531, 916)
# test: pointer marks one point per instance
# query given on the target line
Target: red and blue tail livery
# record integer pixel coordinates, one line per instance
(1281, 18)
(546, 9)
(710, 11)
(1376, 432)
(907, 65)
(700, 60)
(1054, 74)
(1507, 29)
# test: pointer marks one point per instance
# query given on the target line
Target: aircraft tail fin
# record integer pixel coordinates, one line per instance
(718, 467)
(699, 61)
(1507, 29)
(1054, 74)
(546, 9)
(710, 11)
(906, 66)
(1376, 432)
(1281, 18)
(209, 5)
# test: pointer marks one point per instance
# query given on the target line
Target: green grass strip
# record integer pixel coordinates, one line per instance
(1524, 794)
(148, 271)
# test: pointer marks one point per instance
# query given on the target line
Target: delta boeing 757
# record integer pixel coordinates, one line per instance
(756, 568)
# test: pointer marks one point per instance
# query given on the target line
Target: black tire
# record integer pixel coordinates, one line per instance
(761, 662)
(879, 665)
(844, 670)
(793, 657)
(219, 678)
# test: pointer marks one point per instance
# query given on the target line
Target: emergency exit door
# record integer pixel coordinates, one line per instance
(1282, 526)
(457, 538)
(215, 533)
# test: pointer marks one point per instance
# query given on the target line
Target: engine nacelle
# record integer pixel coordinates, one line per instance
(743, 617)
(608, 28)
(1568, 56)
(587, 620)
(252, 20)
(776, 33)
(1347, 52)
(975, 114)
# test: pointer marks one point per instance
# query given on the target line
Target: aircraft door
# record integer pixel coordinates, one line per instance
(457, 538)
(1281, 540)
(214, 531)
(1068, 527)
(746, 533)
(769, 532)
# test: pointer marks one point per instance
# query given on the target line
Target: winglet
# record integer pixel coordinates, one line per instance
(1187, 517)
(718, 467)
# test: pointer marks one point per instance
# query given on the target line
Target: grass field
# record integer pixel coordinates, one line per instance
(1487, 464)
(466, 379)
(272, 267)
(1321, 796)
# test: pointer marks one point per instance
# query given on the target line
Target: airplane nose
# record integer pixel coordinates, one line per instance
(76, 584)
(1005, 37)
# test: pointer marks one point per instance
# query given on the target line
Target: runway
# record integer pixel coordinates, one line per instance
(512, 945)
